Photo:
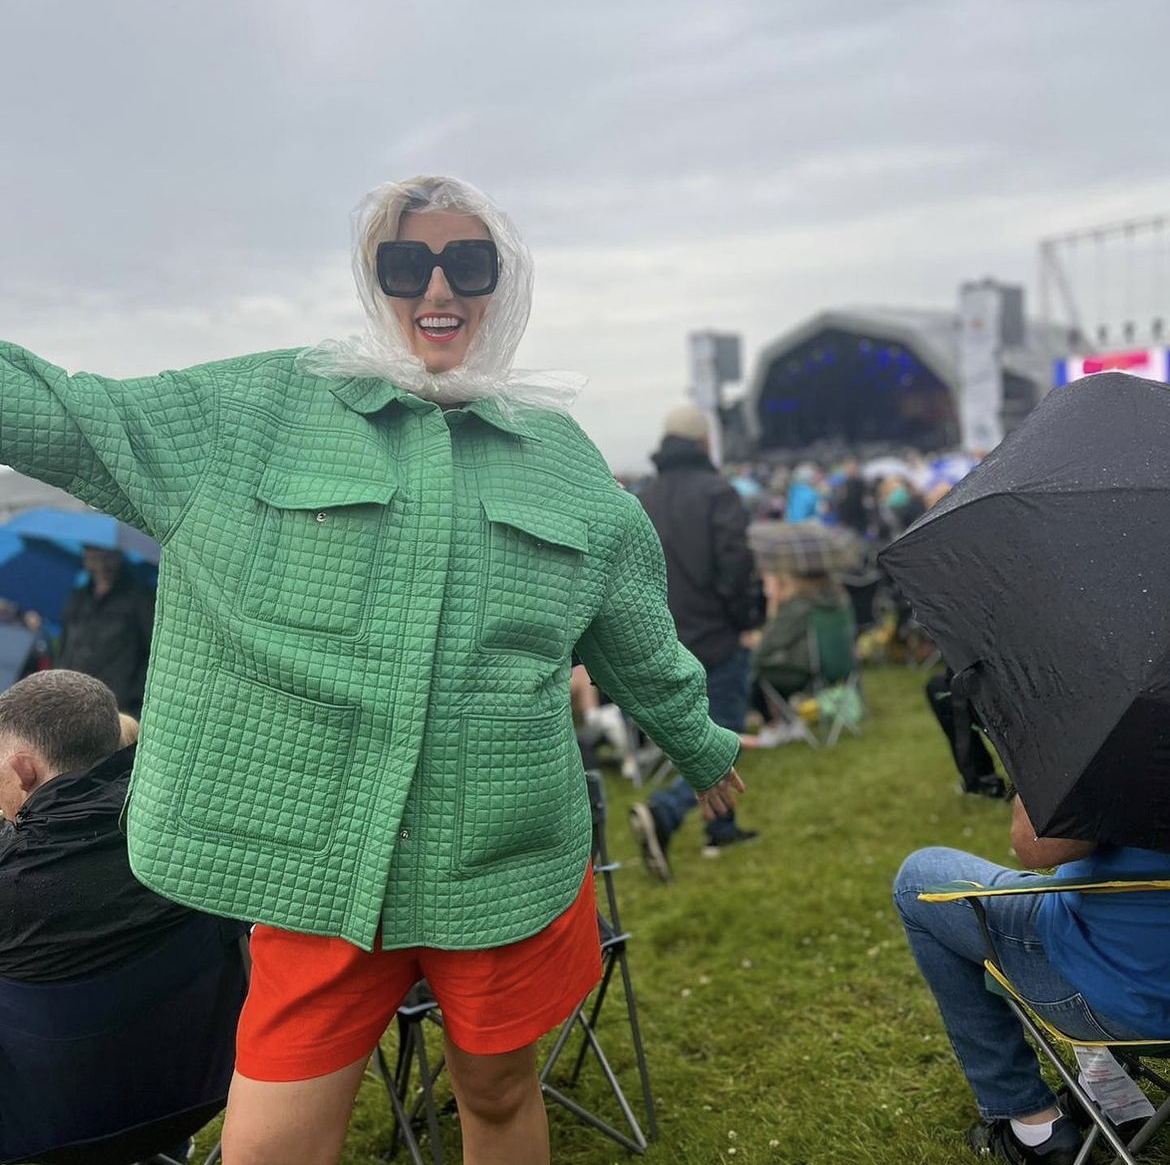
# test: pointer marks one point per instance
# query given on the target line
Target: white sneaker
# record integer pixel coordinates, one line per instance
(779, 733)
(612, 723)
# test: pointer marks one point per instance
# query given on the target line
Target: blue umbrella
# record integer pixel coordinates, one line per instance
(74, 530)
(41, 551)
(36, 576)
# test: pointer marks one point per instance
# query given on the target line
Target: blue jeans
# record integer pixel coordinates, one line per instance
(949, 947)
(728, 688)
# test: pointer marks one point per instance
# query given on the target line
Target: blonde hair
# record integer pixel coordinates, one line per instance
(129, 729)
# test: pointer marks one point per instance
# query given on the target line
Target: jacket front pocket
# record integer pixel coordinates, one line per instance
(521, 790)
(282, 783)
(316, 547)
(533, 562)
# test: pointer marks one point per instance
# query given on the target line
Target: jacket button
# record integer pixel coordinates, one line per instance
(404, 834)
(322, 516)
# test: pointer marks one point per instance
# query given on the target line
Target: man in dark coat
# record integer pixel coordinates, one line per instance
(713, 595)
(69, 905)
(106, 627)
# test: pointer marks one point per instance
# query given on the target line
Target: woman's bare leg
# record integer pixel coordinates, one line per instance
(302, 1121)
(501, 1108)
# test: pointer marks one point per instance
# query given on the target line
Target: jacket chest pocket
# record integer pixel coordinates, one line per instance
(316, 548)
(534, 559)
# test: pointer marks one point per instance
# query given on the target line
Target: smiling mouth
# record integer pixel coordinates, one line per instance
(439, 329)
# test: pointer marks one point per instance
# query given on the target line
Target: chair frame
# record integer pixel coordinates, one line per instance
(852, 681)
(584, 1017)
(782, 709)
(419, 1009)
(1048, 1038)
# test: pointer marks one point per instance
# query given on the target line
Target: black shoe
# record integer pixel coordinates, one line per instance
(652, 839)
(994, 1138)
(988, 786)
(1127, 1130)
(716, 843)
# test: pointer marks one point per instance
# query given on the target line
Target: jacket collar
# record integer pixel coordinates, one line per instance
(369, 396)
(679, 453)
(80, 795)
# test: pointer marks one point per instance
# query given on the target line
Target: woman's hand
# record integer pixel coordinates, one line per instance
(720, 798)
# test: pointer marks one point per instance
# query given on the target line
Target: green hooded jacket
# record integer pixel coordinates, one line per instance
(357, 711)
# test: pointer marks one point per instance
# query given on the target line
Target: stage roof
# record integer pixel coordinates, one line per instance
(880, 375)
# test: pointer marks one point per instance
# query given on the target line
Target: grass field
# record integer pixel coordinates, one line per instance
(783, 1017)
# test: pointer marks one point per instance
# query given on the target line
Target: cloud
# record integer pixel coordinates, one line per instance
(179, 178)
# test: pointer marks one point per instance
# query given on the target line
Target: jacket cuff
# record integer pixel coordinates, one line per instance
(713, 760)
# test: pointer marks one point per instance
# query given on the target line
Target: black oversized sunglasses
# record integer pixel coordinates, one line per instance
(471, 267)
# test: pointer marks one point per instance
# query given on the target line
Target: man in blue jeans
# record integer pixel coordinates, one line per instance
(713, 595)
(1097, 967)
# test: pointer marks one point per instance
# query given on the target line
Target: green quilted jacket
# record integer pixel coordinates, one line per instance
(357, 713)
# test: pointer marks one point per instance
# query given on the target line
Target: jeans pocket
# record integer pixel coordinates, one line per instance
(1072, 1016)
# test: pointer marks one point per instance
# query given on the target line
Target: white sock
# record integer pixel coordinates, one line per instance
(1032, 1135)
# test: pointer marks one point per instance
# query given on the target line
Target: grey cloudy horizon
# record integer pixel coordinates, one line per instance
(177, 177)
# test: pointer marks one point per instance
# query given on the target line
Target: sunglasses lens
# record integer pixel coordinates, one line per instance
(403, 268)
(470, 266)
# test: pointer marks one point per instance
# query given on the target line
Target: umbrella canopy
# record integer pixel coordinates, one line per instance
(41, 555)
(1044, 578)
(36, 576)
(804, 547)
(74, 531)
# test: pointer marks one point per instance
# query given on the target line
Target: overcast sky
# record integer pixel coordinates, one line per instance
(176, 176)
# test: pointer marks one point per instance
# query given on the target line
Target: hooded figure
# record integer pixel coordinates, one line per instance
(381, 555)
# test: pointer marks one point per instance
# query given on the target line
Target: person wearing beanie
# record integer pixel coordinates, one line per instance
(712, 594)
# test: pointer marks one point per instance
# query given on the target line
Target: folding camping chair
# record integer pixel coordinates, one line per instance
(585, 1018)
(832, 641)
(123, 1065)
(1134, 1057)
(413, 1114)
(417, 1012)
(835, 684)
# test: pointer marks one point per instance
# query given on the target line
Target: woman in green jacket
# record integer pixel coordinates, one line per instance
(380, 556)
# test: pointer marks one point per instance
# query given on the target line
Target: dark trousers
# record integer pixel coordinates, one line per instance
(727, 693)
(971, 756)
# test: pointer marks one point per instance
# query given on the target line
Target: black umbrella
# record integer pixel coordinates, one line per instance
(1044, 578)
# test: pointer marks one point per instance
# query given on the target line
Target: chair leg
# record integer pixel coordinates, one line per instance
(427, 1078)
(396, 1092)
(591, 1022)
(639, 1051)
(1101, 1127)
(637, 1140)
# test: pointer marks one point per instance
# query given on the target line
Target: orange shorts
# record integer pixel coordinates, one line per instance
(317, 1004)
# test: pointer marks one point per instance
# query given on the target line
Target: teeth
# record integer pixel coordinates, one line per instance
(439, 322)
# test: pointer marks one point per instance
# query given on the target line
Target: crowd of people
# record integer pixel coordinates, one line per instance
(876, 500)
(395, 567)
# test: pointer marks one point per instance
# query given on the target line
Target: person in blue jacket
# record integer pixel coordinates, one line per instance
(1096, 966)
(804, 499)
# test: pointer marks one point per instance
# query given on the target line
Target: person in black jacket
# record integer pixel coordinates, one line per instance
(69, 905)
(106, 627)
(714, 597)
